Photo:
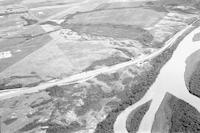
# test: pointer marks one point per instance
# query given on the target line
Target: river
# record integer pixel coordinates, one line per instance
(170, 79)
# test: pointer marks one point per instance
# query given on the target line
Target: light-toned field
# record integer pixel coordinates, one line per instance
(9, 2)
(111, 5)
(37, 3)
(41, 3)
(56, 59)
(11, 20)
(127, 23)
(136, 16)
(22, 45)
(124, 21)
(45, 13)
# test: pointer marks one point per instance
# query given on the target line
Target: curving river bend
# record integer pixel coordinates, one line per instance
(170, 79)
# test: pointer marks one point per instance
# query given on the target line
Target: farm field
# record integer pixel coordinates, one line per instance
(37, 3)
(22, 45)
(45, 13)
(127, 16)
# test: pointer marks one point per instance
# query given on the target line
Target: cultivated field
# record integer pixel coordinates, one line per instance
(22, 44)
(125, 16)
(87, 40)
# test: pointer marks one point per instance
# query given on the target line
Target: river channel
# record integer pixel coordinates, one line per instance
(170, 79)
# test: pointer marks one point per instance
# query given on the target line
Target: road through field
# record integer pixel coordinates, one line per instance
(170, 79)
(89, 74)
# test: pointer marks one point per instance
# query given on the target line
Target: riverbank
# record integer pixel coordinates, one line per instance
(171, 79)
(146, 79)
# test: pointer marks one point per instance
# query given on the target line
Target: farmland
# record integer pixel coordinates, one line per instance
(96, 41)
(133, 16)
(102, 22)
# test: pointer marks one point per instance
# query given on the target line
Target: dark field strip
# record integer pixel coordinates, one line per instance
(113, 60)
(27, 48)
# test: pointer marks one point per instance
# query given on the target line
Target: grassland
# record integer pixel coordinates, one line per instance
(129, 21)
(151, 23)
(45, 13)
(9, 2)
(38, 3)
(112, 60)
(27, 42)
(125, 16)
(91, 54)
(43, 3)
(59, 59)
(113, 31)
(97, 30)
(20, 47)
(129, 4)
(15, 17)
(178, 2)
